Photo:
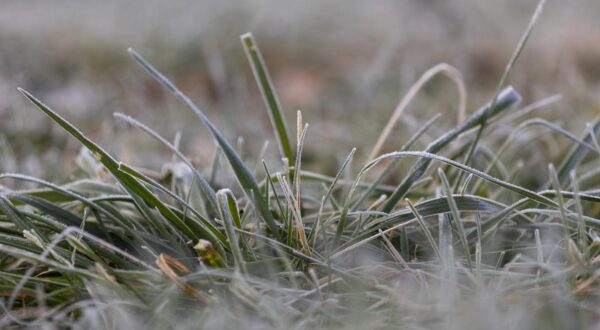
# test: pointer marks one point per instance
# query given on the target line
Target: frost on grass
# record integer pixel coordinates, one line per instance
(463, 241)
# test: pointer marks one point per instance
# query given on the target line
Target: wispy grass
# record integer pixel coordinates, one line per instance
(291, 248)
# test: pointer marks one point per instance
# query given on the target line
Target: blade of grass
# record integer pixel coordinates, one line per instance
(527, 124)
(316, 228)
(269, 182)
(428, 208)
(204, 226)
(581, 227)
(300, 136)
(137, 191)
(507, 98)
(560, 200)
(62, 215)
(444, 68)
(395, 254)
(231, 218)
(205, 187)
(296, 233)
(515, 56)
(269, 95)
(10, 210)
(429, 156)
(425, 229)
(395, 162)
(456, 217)
(242, 173)
(576, 155)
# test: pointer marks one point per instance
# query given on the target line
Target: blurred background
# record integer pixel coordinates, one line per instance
(345, 64)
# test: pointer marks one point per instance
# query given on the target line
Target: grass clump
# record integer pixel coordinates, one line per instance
(473, 246)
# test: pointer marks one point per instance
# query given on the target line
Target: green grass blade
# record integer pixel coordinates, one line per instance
(435, 206)
(10, 210)
(506, 99)
(520, 190)
(425, 229)
(204, 226)
(269, 95)
(561, 202)
(205, 187)
(137, 191)
(576, 155)
(389, 168)
(34, 257)
(230, 215)
(241, 171)
(527, 124)
(507, 71)
(61, 194)
(51, 209)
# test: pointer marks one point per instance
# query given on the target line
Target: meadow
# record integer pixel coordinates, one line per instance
(409, 165)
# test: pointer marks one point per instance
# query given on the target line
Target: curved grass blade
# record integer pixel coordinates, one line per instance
(46, 222)
(429, 156)
(392, 165)
(54, 196)
(517, 130)
(137, 191)
(309, 176)
(428, 208)
(506, 99)
(576, 155)
(522, 191)
(205, 187)
(18, 253)
(20, 243)
(489, 225)
(442, 68)
(241, 171)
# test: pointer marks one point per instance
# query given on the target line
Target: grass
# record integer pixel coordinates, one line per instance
(456, 244)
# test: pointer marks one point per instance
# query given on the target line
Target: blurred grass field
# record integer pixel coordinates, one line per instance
(337, 61)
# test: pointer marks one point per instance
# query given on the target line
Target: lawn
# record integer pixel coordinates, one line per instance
(194, 181)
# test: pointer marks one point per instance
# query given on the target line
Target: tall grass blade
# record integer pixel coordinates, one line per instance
(515, 56)
(269, 95)
(561, 202)
(230, 215)
(242, 173)
(456, 217)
